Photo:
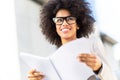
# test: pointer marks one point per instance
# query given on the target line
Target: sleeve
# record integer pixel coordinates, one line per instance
(106, 72)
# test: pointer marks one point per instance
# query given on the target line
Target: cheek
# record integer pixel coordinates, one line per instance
(75, 27)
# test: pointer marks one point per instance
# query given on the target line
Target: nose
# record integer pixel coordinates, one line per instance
(65, 23)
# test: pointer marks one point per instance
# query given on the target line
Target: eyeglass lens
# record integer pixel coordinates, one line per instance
(68, 19)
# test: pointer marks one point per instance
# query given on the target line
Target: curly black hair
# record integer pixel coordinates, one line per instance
(77, 8)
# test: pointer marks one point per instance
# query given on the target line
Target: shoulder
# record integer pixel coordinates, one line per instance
(92, 38)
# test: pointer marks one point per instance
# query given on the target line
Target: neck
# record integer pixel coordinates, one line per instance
(64, 41)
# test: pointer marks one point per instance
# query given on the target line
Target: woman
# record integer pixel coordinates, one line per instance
(63, 21)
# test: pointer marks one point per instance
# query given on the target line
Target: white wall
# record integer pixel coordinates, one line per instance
(9, 63)
(108, 19)
(30, 38)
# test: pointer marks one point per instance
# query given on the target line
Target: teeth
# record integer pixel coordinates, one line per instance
(65, 30)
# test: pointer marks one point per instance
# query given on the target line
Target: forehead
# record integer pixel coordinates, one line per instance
(63, 13)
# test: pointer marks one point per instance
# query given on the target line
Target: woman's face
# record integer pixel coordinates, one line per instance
(66, 25)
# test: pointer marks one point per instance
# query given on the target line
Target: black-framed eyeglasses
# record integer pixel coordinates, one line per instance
(68, 19)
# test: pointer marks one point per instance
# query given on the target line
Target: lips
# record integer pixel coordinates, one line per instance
(65, 30)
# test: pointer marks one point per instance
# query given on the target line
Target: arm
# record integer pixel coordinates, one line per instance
(96, 60)
(105, 72)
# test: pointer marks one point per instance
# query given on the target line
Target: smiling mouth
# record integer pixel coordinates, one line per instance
(65, 30)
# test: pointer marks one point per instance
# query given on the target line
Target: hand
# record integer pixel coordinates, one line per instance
(90, 60)
(35, 75)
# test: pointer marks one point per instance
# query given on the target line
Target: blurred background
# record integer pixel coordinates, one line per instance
(30, 39)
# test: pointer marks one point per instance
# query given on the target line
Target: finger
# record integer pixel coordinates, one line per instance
(36, 74)
(87, 55)
(32, 71)
(86, 58)
(40, 76)
(34, 79)
(82, 57)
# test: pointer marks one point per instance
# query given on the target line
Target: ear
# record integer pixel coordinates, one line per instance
(78, 28)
